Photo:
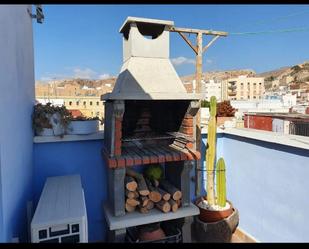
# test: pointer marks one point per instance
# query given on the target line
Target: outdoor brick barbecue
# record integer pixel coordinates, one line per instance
(149, 116)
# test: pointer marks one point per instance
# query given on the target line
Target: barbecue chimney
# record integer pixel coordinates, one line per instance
(147, 72)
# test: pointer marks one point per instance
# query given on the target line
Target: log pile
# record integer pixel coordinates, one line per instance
(143, 194)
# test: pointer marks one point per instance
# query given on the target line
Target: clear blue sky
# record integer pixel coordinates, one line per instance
(83, 40)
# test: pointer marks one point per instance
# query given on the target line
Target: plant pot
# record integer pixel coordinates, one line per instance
(221, 120)
(45, 132)
(83, 127)
(213, 215)
(150, 232)
(215, 231)
(55, 121)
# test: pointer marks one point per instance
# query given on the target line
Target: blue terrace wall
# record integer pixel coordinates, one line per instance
(16, 104)
(78, 157)
(268, 183)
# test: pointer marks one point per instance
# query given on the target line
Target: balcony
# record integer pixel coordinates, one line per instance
(266, 172)
(267, 218)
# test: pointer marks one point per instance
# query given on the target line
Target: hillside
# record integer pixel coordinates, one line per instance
(286, 75)
(273, 80)
(220, 75)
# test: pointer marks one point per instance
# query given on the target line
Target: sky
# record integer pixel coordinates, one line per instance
(83, 41)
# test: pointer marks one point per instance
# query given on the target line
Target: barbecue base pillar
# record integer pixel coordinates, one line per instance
(116, 195)
(117, 235)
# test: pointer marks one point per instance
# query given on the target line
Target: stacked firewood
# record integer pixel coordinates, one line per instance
(143, 194)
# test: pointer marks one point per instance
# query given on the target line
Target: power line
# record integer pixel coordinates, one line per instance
(270, 31)
(276, 19)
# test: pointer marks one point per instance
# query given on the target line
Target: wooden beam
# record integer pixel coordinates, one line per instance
(210, 43)
(199, 72)
(188, 42)
(196, 31)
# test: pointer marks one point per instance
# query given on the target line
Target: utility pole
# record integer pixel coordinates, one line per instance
(198, 50)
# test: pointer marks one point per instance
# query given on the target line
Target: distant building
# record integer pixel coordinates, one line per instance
(212, 88)
(297, 124)
(90, 106)
(243, 88)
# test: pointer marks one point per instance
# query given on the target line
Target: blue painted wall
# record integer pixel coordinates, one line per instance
(269, 185)
(271, 209)
(81, 157)
(16, 105)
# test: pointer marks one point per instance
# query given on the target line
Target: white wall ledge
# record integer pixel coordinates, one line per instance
(301, 142)
(69, 138)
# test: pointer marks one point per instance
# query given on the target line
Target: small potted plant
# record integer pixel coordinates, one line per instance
(82, 125)
(225, 112)
(50, 120)
(218, 218)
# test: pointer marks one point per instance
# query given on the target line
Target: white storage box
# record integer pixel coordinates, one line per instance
(61, 212)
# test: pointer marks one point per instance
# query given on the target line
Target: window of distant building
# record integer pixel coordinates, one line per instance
(70, 102)
(241, 84)
(84, 102)
(254, 97)
(90, 102)
(77, 102)
(98, 103)
(98, 114)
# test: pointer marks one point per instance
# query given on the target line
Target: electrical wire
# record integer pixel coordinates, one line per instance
(270, 31)
(276, 19)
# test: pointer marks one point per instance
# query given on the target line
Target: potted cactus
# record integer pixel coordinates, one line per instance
(218, 218)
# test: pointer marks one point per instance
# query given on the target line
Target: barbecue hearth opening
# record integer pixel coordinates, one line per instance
(152, 121)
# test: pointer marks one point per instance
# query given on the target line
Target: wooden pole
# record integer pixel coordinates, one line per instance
(198, 81)
(198, 50)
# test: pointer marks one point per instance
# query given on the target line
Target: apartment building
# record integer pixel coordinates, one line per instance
(212, 87)
(243, 88)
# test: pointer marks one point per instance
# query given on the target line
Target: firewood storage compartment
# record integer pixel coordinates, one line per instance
(149, 119)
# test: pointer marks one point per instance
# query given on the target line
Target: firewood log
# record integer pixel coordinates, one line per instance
(141, 184)
(154, 195)
(164, 206)
(143, 210)
(150, 205)
(129, 208)
(130, 194)
(132, 202)
(174, 205)
(179, 203)
(144, 201)
(155, 183)
(165, 195)
(175, 192)
(130, 183)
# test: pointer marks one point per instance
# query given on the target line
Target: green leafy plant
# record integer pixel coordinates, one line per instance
(205, 103)
(210, 162)
(42, 113)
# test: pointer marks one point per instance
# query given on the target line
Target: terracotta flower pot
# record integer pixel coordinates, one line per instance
(212, 215)
(153, 235)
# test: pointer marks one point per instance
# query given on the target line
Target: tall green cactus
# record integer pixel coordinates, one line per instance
(221, 182)
(211, 151)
